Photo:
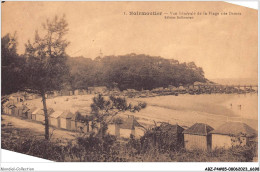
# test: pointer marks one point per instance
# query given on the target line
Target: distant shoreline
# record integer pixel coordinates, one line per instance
(235, 81)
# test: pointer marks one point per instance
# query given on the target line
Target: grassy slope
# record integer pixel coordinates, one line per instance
(30, 142)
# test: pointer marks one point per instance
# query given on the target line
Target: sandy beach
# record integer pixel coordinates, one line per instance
(213, 109)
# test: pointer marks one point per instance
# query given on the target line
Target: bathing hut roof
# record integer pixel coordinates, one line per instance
(66, 115)
(19, 106)
(171, 128)
(235, 128)
(7, 104)
(25, 109)
(32, 109)
(36, 110)
(199, 129)
(126, 123)
(130, 123)
(56, 114)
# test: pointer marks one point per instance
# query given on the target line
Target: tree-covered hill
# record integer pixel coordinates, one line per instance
(132, 71)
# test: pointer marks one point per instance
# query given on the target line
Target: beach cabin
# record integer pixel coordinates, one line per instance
(164, 136)
(76, 92)
(124, 127)
(10, 109)
(65, 93)
(232, 134)
(65, 120)
(40, 115)
(6, 108)
(71, 93)
(13, 110)
(173, 134)
(74, 122)
(25, 111)
(90, 90)
(30, 111)
(19, 110)
(56, 93)
(54, 119)
(84, 92)
(97, 90)
(198, 137)
(34, 113)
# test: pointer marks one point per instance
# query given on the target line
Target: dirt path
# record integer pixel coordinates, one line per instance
(38, 128)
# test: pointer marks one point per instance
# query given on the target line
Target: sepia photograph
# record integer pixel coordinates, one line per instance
(130, 81)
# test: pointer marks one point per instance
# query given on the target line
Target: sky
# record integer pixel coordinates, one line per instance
(224, 46)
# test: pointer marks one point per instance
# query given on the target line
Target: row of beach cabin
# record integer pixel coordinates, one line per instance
(22, 96)
(203, 136)
(196, 88)
(58, 119)
(90, 90)
(72, 121)
(198, 136)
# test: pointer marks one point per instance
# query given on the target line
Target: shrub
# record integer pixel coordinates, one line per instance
(161, 139)
(96, 148)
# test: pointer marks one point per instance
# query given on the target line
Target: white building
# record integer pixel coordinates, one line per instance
(232, 134)
(198, 137)
(54, 119)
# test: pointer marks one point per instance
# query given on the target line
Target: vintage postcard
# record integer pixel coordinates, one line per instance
(128, 81)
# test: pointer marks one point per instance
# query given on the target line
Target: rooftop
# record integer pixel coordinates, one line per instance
(199, 129)
(235, 128)
(129, 123)
(66, 115)
(171, 128)
(56, 114)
